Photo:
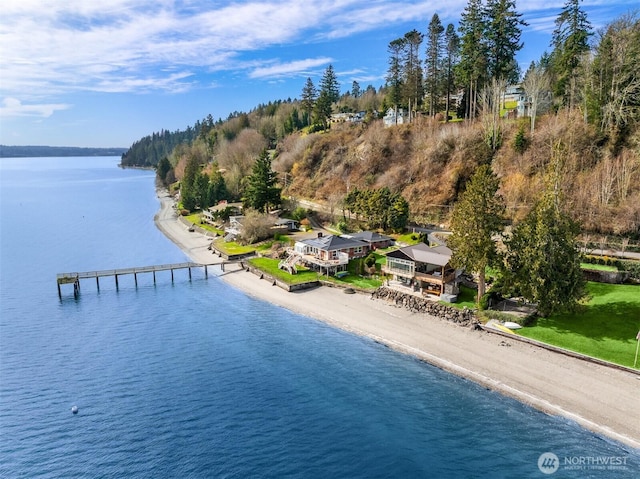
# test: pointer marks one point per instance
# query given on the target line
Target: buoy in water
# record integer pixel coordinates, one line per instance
(74, 409)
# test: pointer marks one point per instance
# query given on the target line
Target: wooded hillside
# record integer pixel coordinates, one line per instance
(580, 105)
(429, 163)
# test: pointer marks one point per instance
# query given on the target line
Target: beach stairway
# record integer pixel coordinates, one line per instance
(289, 264)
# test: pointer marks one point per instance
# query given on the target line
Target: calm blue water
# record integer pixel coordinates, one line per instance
(196, 379)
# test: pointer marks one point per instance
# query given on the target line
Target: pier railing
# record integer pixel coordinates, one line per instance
(74, 278)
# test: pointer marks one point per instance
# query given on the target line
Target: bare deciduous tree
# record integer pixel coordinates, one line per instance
(537, 86)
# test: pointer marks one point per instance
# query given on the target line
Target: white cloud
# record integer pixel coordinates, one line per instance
(299, 67)
(12, 107)
(59, 47)
(128, 45)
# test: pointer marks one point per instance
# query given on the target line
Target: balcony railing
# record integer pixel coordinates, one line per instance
(449, 275)
(343, 258)
(407, 273)
(436, 278)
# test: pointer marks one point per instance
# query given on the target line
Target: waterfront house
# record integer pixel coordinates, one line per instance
(210, 214)
(373, 239)
(423, 269)
(329, 254)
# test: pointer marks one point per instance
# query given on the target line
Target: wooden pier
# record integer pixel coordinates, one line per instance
(74, 278)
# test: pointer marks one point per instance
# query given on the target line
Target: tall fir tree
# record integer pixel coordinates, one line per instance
(476, 218)
(394, 72)
(570, 41)
(542, 261)
(329, 85)
(503, 31)
(413, 87)
(308, 98)
(262, 191)
(472, 67)
(435, 46)
(356, 91)
(452, 48)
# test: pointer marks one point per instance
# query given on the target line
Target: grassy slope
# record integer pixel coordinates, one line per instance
(232, 247)
(598, 267)
(606, 328)
(270, 266)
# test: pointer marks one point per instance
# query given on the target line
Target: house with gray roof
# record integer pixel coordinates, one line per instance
(423, 268)
(374, 239)
(329, 254)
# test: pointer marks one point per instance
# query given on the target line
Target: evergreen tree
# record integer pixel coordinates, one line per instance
(217, 190)
(473, 56)
(452, 47)
(570, 41)
(164, 166)
(542, 262)
(201, 190)
(329, 85)
(412, 71)
(322, 111)
(261, 191)
(398, 213)
(188, 187)
(476, 218)
(308, 98)
(355, 89)
(503, 31)
(394, 73)
(433, 63)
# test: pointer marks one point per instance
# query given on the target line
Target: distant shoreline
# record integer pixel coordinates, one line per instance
(597, 398)
(37, 151)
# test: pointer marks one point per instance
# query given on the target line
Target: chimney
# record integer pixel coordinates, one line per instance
(319, 234)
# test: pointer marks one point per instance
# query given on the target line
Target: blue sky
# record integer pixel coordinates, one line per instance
(106, 73)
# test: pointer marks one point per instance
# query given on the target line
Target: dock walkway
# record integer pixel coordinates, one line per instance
(74, 278)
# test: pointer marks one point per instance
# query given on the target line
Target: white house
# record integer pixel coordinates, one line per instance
(393, 117)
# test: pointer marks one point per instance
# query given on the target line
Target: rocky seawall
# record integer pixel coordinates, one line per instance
(463, 317)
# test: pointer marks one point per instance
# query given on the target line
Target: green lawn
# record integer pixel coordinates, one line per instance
(606, 328)
(232, 248)
(270, 267)
(195, 219)
(356, 281)
(598, 267)
(466, 298)
(407, 238)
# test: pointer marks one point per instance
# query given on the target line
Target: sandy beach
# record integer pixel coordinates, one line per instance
(599, 398)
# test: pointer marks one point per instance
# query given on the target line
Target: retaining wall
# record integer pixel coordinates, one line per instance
(463, 317)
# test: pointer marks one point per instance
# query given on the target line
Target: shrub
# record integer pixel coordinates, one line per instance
(631, 267)
(370, 260)
(256, 226)
(299, 214)
(520, 142)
